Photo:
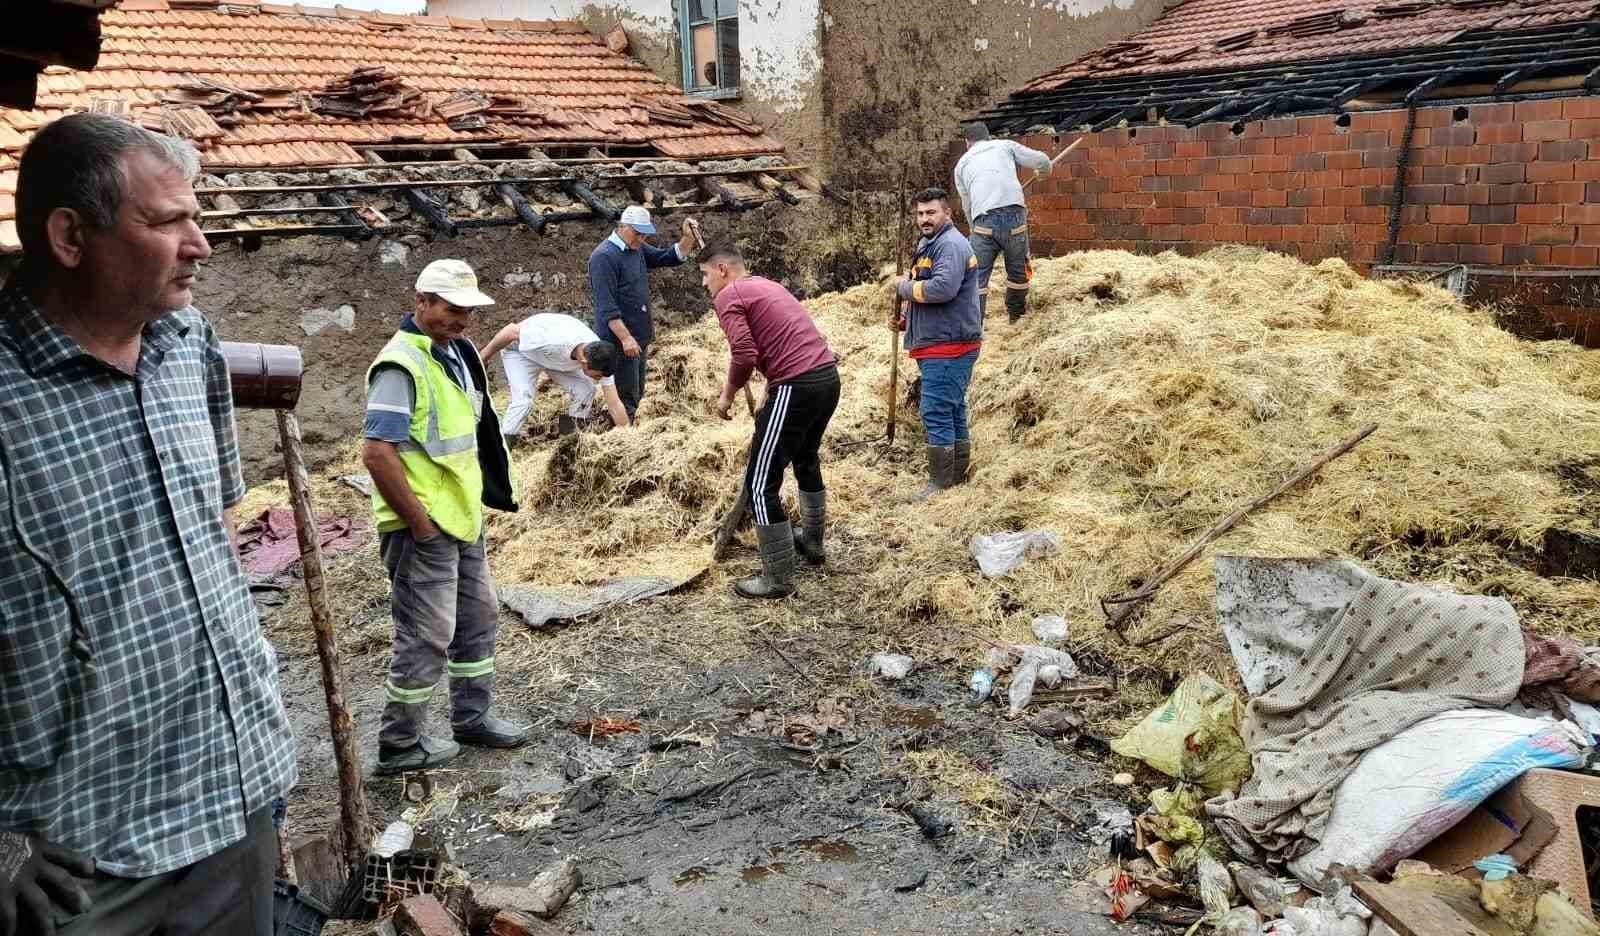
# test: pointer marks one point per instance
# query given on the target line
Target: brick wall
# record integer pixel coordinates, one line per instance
(1489, 184)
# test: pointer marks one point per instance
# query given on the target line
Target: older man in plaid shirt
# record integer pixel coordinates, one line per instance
(142, 740)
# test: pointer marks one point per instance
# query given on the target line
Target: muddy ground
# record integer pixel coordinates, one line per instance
(726, 812)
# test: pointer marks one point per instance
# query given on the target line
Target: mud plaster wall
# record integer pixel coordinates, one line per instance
(780, 59)
(263, 296)
(899, 77)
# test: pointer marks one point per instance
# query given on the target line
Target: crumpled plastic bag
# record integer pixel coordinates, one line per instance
(1341, 914)
(1240, 921)
(1050, 628)
(890, 665)
(1192, 736)
(1026, 673)
(1216, 888)
(1000, 553)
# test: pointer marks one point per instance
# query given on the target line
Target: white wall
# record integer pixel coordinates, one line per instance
(778, 49)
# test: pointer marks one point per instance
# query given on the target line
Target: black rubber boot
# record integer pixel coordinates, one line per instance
(566, 425)
(493, 732)
(963, 462)
(941, 471)
(777, 564)
(813, 518)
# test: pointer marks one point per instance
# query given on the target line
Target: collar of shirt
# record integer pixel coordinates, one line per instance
(616, 241)
(449, 355)
(42, 346)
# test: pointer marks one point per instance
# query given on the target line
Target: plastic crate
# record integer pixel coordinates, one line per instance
(294, 913)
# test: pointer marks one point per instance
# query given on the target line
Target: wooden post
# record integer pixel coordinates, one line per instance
(352, 797)
(894, 313)
(419, 201)
(511, 197)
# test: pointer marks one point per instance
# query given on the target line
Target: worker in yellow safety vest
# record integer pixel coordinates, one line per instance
(436, 456)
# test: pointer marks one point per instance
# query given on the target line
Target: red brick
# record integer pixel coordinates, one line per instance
(1230, 233)
(1564, 150)
(1380, 159)
(1589, 235)
(1574, 256)
(1538, 214)
(1199, 232)
(1426, 194)
(1234, 164)
(1439, 253)
(1586, 129)
(1459, 135)
(1328, 214)
(1279, 127)
(1482, 253)
(1550, 171)
(1581, 214)
(1269, 198)
(1435, 116)
(1460, 234)
(1190, 148)
(1333, 234)
(1552, 234)
(1378, 120)
(1419, 233)
(1313, 126)
(1270, 164)
(1431, 156)
(1367, 214)
(1292, 146)
(1468, 155)
(1344, 195)
(1538, 110)
(1538, 131)
(1371, 140)
(1329, 143)
(1307, 198)
(1504, 234)
(1500, 133)
(1492, 214)
(1344, 160)
(1299, 233)
(1530, 255)
(1263, 234)
(1480, 114)
(1422, 138)
(1570, 193)
(424, 916)
(1573, 108)
(1513, 152)
(1511, 194)
(1591, 191)
(1448, 214)
(1236, 198)
(1216, 183)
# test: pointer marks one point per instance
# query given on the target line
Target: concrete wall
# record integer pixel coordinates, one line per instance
(1512, 186)
(863, 87)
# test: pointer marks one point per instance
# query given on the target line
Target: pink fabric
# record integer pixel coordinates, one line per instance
(268, 545)
(768, 330)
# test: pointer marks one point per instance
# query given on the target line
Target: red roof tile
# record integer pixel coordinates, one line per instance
(575, 89)
(1201, 35)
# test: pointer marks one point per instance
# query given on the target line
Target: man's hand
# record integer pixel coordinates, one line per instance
(33, 874)
(630, 348)
(689, 239)
(425, 530)
(725, 403)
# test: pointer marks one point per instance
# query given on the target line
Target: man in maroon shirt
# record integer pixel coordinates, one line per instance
(770, 331)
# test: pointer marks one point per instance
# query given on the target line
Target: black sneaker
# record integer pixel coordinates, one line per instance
(493, 733)
(426, 753)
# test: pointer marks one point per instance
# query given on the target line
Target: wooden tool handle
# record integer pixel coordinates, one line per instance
(1058, 157)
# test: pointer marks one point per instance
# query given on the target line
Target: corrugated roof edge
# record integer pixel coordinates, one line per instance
(343, 12)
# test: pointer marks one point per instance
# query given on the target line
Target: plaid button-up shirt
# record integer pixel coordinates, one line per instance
(112, 489)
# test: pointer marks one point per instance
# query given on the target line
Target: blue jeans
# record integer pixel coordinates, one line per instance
(997, 232)
(944, 397)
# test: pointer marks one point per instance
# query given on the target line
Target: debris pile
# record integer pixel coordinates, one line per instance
(372, 91)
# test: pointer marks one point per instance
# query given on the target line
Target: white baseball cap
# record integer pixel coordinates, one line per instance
(454, 282)
(636, 217)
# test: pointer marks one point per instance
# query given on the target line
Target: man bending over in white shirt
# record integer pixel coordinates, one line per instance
(574, 357)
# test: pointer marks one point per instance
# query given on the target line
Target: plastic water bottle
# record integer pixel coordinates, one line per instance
(982, 686)
(396, 838)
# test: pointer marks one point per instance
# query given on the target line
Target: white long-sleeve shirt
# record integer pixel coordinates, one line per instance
(986, 176)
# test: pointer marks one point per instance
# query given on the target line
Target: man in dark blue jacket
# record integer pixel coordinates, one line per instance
(944, 330)
(621, 288)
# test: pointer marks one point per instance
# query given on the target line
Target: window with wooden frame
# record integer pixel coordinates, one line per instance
(710, 37)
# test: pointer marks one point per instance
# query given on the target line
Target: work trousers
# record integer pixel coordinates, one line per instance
(1003, 231)
(522, 375)
(630, 377)
(229, 892)
(944, 397)
(789, 428)
(445, 609)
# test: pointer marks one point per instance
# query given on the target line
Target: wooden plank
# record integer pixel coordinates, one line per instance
(423, 205)
(513, 198)
(1413, 913)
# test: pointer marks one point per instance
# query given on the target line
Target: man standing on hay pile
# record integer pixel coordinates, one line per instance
(573, 356)
(142, 733)
(991, 195)
(944, 331)
(436, 456)
(620, 282)
(770, 331)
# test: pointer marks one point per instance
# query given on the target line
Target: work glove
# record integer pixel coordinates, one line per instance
(35, 874)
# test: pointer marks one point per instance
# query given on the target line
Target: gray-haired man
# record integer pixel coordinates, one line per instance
(986, 180)
(140, 722)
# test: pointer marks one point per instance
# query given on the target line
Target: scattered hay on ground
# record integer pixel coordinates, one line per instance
(1141, 399)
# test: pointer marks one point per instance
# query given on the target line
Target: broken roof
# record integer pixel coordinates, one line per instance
(260, 85)
(1216, 34)
(1247, 59)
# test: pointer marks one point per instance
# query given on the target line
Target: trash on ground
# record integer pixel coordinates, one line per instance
(542, 897)
(981, 686)
(361, 482)
(891, 666)
(1506, 823)
(541, 606)
(602, 726)
(1122, 779)
(1001, 553)
(1271, 610)
(1192, 736)
(1122, 894)
(269, 546)
(1050, 628)
(1056, 724)
(1025, 662)
(396, 837)
(1397, 655)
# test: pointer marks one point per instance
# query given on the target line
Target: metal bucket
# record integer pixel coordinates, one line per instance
(264, 376)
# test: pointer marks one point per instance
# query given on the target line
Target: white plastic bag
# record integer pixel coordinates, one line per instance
(890, 666)
(1000, 553)
(1407, 791)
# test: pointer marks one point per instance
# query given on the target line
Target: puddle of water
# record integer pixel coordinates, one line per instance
(823, 849)
(836, 850)
(694, 875)
(912, 717)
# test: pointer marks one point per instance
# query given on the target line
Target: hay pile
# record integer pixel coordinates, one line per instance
(1141, 399)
